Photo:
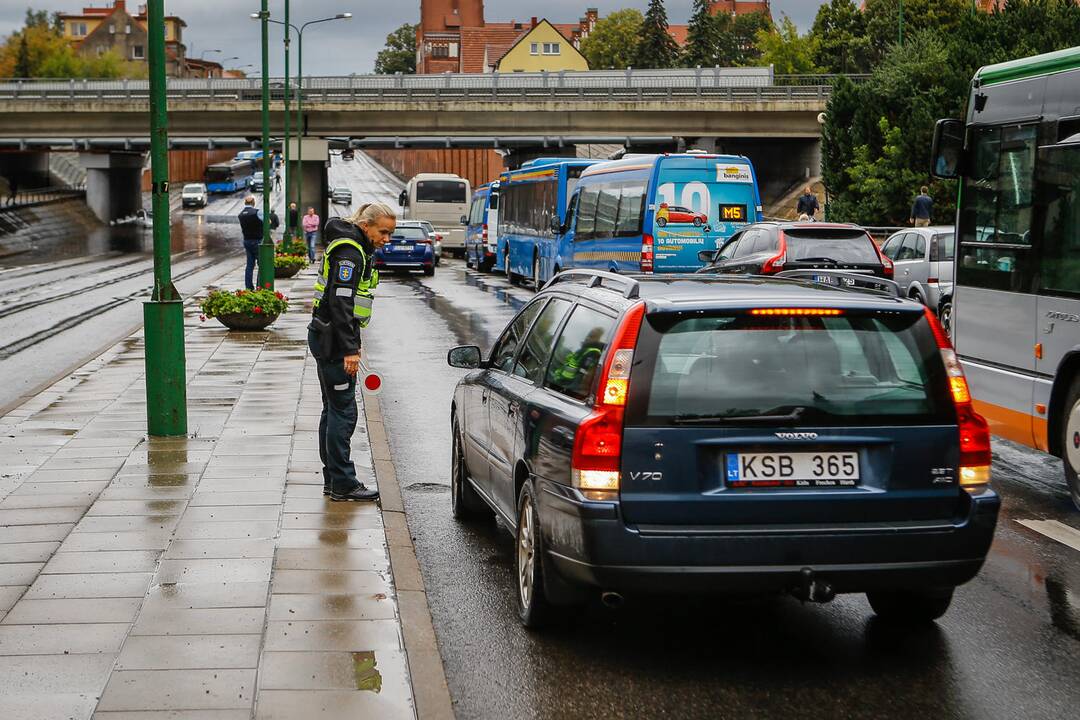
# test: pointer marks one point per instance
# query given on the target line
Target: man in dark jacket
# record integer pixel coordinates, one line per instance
(922, 208)
(251, 224)
(293, 219)
(343, 305)
(808, 203)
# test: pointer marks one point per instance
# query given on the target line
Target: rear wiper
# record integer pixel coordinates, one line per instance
(818, 259)
(792, 417)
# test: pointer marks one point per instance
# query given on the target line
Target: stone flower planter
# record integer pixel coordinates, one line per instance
(287, 271)
(246, 322)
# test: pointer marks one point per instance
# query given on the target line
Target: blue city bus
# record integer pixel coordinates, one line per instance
(654, 213)
(481, 228)
(531, 201)
(230, 176)
(252, 155)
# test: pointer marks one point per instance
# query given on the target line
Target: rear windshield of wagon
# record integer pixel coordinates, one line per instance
(848, 369)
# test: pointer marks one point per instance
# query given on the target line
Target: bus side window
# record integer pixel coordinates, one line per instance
(1059, 187)
(568, 221)
(586, 219)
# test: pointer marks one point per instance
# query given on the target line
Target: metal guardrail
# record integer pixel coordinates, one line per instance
(39, 196)
(731, 84)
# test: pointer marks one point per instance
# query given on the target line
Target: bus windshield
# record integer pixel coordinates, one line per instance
(218, 173)
(441, 191)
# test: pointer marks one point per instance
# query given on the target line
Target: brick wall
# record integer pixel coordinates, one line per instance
(189, 165)
(477, 166)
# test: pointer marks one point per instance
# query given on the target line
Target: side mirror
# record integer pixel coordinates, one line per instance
(706, 256)
(493, 201)
(947, 149)
(466, 357)
(464, 220)
(556, 225)
(403, 199)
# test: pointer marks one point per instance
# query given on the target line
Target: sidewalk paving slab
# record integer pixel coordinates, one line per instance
(196, 577)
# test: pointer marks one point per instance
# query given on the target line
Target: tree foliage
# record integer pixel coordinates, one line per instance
(788, 52)
(38, 50)
(613, 40)
(399, 55)
(703, 37)
(840, 41)
(656, 48)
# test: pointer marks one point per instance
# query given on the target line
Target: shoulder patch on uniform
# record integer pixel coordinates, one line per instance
(345, 270)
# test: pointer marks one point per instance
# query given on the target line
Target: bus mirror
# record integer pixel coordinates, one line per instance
(947, 149)
(706, 256)
(464, 220)
(493, 201)
(556, 225)
(403, 199)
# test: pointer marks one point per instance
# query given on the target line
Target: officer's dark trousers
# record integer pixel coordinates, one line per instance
(251, 247)
(337, 422)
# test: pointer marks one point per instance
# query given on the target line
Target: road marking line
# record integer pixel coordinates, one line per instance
(1055, 531)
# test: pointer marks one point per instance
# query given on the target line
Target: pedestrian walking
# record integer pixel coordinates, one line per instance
(922, 209)
(251, 225)
(808, 203)
(344, 292)
(293, 221)
(311, 223)
(277, 180)
(13, 188)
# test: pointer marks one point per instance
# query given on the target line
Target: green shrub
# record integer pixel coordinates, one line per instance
(263, 301)
(291, 247)
(290, 260)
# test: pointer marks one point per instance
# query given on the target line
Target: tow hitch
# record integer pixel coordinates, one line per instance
(813, 589)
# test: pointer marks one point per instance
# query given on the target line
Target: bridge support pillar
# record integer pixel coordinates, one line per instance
(113, 184)
(311, 179)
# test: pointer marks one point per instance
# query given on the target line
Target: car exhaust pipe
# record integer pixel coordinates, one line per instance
(612, 600)
(812, 589)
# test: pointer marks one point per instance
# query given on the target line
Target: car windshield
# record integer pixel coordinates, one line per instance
(409, 233)
(193, 188)
(843, 246)
(441, 191)
(851, 368)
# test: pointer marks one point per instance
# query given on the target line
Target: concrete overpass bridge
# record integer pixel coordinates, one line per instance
(773, 119)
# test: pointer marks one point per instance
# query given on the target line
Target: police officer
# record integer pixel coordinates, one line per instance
(343, 303)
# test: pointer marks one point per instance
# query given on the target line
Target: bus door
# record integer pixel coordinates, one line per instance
(1058, 310)
(491, 218)
(996, 313)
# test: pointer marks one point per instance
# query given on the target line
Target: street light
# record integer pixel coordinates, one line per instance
(266, 247)
(300, 95)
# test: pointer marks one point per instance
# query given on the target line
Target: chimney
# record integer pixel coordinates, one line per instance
(534, 21)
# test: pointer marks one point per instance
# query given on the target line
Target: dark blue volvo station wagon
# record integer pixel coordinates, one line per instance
(702, 434)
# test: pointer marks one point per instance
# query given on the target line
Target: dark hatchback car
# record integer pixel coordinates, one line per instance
(410, 248)
(770, 248)
(674, 433)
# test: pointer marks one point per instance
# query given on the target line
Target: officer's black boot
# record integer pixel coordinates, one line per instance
(360, 493)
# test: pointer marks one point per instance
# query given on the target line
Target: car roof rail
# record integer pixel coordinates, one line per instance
(597, 278)
(846, 281)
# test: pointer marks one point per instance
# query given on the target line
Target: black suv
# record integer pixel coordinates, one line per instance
(695, 433)
(770, 248)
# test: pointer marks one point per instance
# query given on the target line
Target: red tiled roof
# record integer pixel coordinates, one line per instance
(679, 33)
(496, 38)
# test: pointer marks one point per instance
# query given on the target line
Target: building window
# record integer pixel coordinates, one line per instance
(534, 49)
(440, 51)
(453, 50)
(551, 48)
(112, 29)
(127, 29)
(137, 52)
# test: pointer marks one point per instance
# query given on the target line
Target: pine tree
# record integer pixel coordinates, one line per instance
(657, 49)
(22, 59)
(702, 41)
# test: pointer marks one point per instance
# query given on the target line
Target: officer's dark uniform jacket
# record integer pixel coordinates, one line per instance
(251, 225)
(348, 271)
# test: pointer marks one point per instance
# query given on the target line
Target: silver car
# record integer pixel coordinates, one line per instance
(923, 258)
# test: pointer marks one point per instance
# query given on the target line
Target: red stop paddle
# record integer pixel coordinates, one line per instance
(371, 381)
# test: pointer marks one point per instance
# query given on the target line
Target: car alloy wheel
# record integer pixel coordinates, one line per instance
(1071, 442)
(662, 222)
(945, 316)
(697, 222)
(532, 603)
(465, 504)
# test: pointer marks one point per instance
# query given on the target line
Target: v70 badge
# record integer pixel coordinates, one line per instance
(646, 476)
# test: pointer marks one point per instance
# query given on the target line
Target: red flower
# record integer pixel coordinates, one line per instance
(257, 309)
(240, 292)
(267, 286)
(202, 318)
(279, 296)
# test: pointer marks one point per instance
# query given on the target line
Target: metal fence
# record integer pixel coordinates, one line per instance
(731, 84)
(38, 196)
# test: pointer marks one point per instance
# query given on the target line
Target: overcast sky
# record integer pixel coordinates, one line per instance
(348, 46)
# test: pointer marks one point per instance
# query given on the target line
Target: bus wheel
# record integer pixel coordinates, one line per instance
(1071, 441)
(506, 268)
(945, 316)
(536, 284)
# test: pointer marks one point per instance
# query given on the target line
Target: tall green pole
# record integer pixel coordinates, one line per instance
(266, 248)
(285, 146)
(300, 122)
(163, 315)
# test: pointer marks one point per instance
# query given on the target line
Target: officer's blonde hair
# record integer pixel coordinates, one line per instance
(369, 213)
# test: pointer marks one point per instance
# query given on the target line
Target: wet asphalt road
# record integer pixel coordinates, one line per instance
(62, 304)
(1008, 648)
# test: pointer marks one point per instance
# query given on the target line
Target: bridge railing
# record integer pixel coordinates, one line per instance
(731, 84)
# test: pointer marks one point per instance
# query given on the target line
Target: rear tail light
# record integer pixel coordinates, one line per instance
(886, 264)
(647, 254)
(598, 442)
(932, 281)
(483, 232)
(975, 456)
(776, 263)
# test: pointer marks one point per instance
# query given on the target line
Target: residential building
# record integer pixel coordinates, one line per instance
(741, 7)
(97, 30)
(541, 47)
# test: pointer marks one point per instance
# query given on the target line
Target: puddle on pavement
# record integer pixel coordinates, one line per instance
(468, 327)
(428, 487)
(366, 672)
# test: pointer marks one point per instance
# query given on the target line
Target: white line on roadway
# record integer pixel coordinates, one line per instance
(1055, 531)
